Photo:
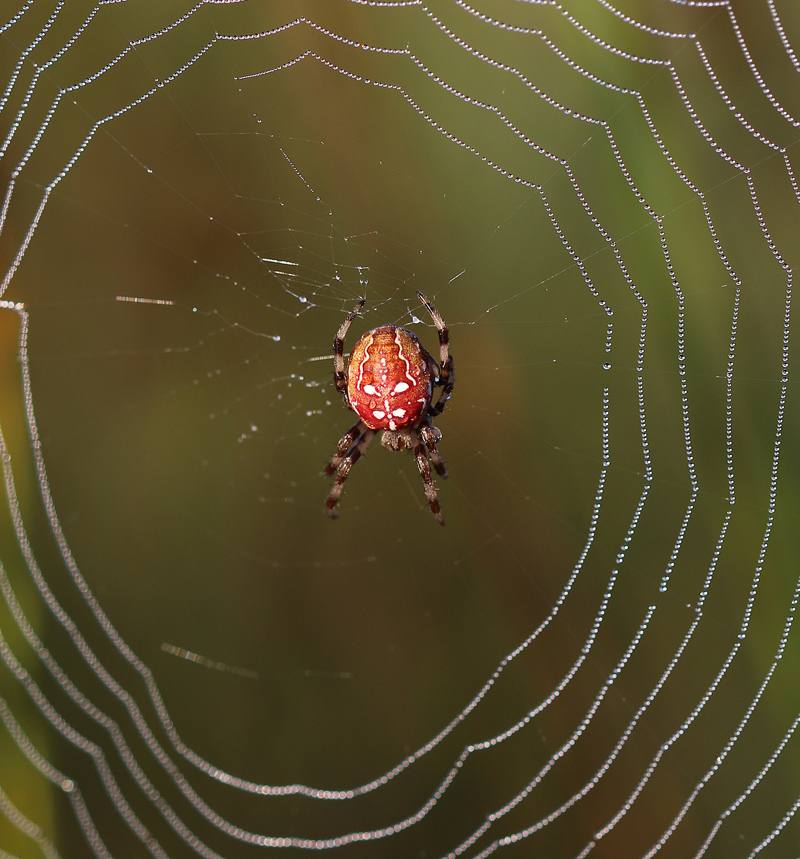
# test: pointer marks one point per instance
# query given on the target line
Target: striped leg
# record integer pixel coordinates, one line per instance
(344, 445)
(338, 349)
(430, 435)
(446, 380)
(425, 471)
(347, 463)
(446, 375)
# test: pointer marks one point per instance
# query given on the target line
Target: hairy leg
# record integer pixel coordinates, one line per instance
(446, 374)
(430, 489)
(338, 349)
(344, 445)
(430, 435)
(347, 463)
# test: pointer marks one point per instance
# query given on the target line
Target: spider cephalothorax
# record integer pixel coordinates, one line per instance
(389, 384)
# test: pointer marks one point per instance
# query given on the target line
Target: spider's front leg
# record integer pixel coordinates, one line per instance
(430, 435)
(425, 471)
(344, 445)
(339, 377)
(347, 463)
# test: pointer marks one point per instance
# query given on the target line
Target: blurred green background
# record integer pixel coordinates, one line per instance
(184, 442)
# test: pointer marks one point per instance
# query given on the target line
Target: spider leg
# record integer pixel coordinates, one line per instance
(344, 468)
(344, 445)
(338, 349)
(430, 435)
(446, 380)
(446, 375)
(425, 471)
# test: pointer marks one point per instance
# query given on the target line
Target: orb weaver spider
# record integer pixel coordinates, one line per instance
(389, 383)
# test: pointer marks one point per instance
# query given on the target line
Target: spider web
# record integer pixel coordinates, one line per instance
(596, 657)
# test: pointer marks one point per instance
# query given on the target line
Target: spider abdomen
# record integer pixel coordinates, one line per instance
(389, 381)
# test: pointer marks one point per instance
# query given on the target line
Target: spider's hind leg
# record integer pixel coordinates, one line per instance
(445, 377)
(344, 468)
(338, 350)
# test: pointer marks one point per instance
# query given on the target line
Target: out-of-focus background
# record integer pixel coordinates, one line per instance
(595, 656)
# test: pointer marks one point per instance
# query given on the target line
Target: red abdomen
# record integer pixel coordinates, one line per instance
(388, 379)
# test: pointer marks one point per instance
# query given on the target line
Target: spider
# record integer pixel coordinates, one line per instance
(389, 383)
